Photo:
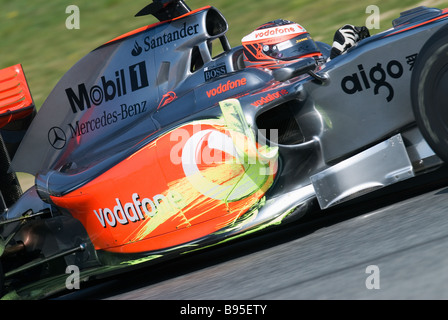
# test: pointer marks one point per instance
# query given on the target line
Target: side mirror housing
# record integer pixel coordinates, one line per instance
(295, 69)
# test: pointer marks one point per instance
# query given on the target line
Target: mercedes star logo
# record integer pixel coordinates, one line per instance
(57, 138)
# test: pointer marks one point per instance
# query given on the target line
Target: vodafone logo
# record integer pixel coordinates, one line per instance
(202, 163)
(274, 32)
(270, 97)
(224, 87)
(139, 209)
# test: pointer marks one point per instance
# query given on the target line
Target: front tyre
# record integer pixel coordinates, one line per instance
(429, 92)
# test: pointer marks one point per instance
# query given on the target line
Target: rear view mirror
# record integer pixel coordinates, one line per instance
(295, 69)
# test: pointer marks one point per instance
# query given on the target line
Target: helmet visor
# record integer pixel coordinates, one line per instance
(294, 48)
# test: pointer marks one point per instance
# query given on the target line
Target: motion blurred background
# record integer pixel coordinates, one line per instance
(34, 32)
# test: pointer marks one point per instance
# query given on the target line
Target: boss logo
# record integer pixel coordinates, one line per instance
(214, 72)
(376, 78)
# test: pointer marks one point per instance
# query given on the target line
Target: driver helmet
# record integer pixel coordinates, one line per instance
(276, 43)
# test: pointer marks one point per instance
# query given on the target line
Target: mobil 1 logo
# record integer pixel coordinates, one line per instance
(121, 82)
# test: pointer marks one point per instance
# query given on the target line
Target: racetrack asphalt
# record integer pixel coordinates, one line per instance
(403, 234)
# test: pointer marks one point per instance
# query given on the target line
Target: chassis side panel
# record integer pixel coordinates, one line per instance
(372, 86)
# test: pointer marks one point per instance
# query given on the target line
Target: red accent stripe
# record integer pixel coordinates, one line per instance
(445, 15)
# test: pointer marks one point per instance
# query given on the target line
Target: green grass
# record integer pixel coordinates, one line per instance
(33, 32)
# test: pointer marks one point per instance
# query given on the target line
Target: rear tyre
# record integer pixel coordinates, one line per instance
(429, 92)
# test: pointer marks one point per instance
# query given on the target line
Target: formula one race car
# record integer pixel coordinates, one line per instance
(152, 146)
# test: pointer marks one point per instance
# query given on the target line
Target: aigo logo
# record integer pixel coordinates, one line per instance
(377, 77)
